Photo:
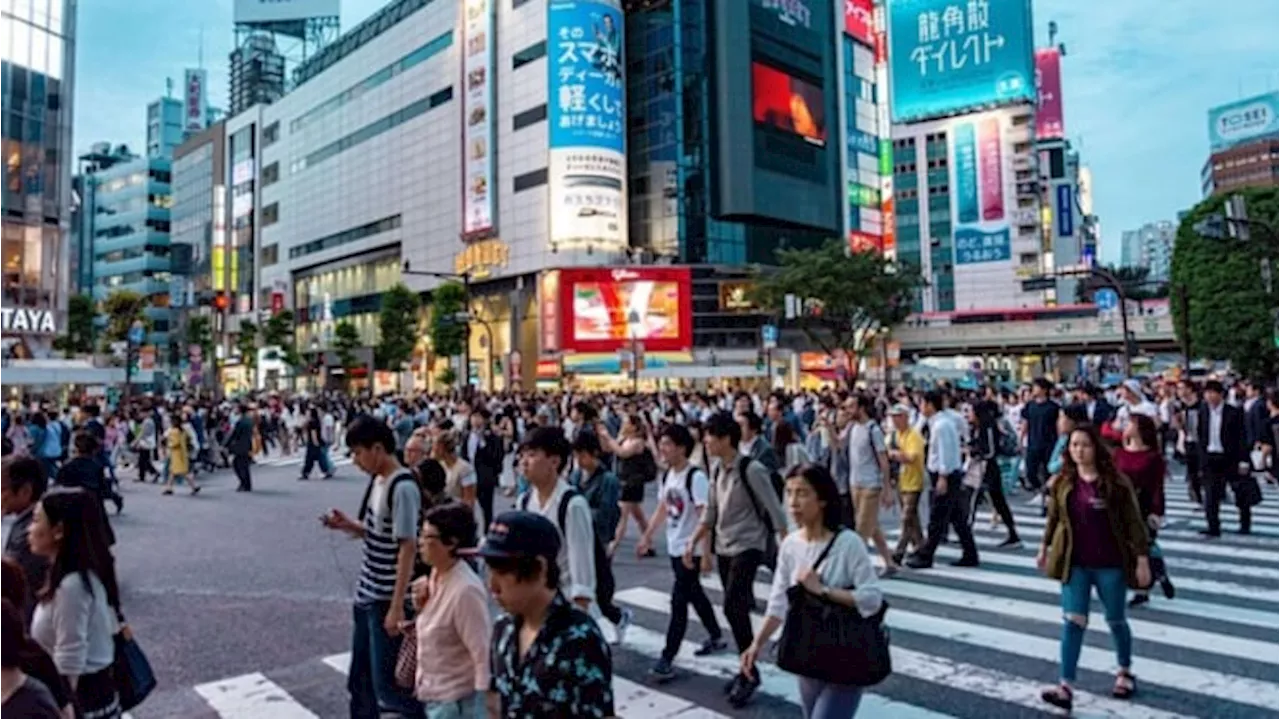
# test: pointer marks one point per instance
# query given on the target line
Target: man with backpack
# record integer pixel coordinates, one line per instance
(388, 523)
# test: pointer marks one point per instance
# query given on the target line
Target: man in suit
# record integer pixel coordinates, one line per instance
(483, 449)
(1256, 416)
(240, 446)
(1225, 459)
(1096, 407)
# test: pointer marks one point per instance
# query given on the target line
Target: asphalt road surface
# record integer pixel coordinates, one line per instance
(243, 604)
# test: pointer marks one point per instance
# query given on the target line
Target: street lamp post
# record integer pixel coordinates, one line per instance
(465, 278)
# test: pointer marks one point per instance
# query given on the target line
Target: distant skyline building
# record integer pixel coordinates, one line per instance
(165, 129)
(1150, 246)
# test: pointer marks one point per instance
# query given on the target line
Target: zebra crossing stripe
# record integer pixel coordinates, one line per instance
(252, 696)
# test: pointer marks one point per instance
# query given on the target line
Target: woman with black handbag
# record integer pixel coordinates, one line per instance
(827, 602)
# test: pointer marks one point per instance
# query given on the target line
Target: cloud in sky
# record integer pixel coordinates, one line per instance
(1138, 78)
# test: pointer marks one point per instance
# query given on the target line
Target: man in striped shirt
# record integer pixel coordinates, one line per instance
(388, 524)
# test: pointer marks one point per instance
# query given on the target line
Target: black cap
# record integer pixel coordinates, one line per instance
(521, 534)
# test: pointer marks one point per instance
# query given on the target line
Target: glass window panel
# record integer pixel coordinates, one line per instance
(39, 51)
(21, 47)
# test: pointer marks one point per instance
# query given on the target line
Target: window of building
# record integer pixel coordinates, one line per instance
(529, 117)
(517, 3)
(270, 134)
(271, 174)
(372, 130)
(270, 255)
(386, 224)
(529, 54)
(529, 180)
(271, 214)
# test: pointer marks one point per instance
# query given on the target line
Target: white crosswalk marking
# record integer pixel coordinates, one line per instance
(976, 642)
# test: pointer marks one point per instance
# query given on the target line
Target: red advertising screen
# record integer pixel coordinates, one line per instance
(604, 308)
(787, 103)
(858, 22)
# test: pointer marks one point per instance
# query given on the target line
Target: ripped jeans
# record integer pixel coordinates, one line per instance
(1112, 593)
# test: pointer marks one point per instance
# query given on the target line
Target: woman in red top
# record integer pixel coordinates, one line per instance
(1140, 459)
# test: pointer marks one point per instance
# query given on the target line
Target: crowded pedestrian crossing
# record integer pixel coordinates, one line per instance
(966, 642)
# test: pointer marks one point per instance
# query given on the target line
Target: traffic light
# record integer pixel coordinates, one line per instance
(759, 361)
(221, 301)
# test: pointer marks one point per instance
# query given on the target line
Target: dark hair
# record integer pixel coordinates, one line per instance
(91, 409)
(13, 582)
(783, 435)
(84, 545)
(722, 424)
(1214, 385)
(431, 476)
(933, 398)
(824, 485)
(1146, 431)
(26, 472)
(526, 568)
(484, 413)
(456, 523)
(753, 420)
(550, 441)
(680, 436)
(587, 441)
(86, 444)
(365, 431)
(13, 635)
(1076, 413)
(1042, 383)
(588, 412)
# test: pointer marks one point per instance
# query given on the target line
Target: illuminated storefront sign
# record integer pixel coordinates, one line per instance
(736, 297)
(482, 259)
(22, 320)
(478, 192)
(603, 310)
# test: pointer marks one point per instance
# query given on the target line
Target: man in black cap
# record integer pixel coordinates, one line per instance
(549, 658)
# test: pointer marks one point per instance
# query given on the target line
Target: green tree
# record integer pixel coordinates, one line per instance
(397, 328)
(448, 333)
(279, 332)
(346, 339)
(79, 337)
(247, 344)
(200, 333)
(845, 297)
(1230, 305)
(122, 309)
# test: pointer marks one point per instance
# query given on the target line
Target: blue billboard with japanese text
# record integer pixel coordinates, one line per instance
(587, 168)
(950, 56)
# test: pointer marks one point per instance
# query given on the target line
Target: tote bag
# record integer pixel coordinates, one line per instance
(830, 642)
(133, 675)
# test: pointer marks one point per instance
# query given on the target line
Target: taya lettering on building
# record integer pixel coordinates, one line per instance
(792, 12)
(482, 259)
(27, 321)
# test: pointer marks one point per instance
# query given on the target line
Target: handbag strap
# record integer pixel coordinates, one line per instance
(827, 549)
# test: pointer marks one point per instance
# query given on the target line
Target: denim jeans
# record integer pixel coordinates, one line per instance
(820, 700)
(469, 707)
(371, 679)
(1112, 592)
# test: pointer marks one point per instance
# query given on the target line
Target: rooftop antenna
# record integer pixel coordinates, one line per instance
(168, 87)
(200, 50)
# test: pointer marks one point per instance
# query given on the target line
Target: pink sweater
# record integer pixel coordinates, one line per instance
(454, 629)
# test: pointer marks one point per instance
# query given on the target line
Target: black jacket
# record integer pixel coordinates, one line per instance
(1234, 447)
(240, 443)
(488, 460)
(1256, 421)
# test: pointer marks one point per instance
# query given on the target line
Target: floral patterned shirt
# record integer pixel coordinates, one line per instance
(567, 671)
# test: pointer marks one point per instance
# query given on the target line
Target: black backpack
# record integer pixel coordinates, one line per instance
(605, 584)
(420, 568)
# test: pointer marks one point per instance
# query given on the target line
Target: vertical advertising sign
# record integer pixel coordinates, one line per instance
(1064, 211)
(549, 311)
(1049, 124)
(948, 56)
(587, 124)
(478, 192)
(858, 21)
(194, 100)
(981, 230)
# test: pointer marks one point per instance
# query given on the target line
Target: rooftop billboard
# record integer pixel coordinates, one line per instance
(1244, 120)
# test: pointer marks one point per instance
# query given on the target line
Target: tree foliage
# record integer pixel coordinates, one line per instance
(397, 328)
(79, 336)
(1231, 307)
(346, 339)
(1135, 279)
(279, 332)
(447, 333)
(845, 297)
(200, 333)
(247, 344)
(122, 309)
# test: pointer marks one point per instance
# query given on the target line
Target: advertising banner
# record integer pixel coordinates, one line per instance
(269, 11)
(587, 124)
(604, 309)
(1064, 211)
(549, 311)
(981, 230)
(1049, 124)
(864, 242)
(889, 223)
(194, 100)
(1244, 120)
(947, 57)
(858, 22)
(478, 191)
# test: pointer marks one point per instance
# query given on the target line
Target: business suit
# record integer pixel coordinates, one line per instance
(1257, 422)
(1101, 412)
(1222, 449)
(487, 460)
(240, 445)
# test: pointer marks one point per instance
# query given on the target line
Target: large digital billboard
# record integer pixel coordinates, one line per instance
(1049, 123)
(980, 214)
(787, 103)
(479, 206)
(1244, 120)
(587, 124)
(269, 11)
(948, 56)
(604, 309)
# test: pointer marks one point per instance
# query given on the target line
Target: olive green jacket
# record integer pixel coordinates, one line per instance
(1128, 527)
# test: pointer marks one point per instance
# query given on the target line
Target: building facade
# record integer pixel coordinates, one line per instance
(1150, 246)
(37, 71)
(165, 126)
(1255, 163)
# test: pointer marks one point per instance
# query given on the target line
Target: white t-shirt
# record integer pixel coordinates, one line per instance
(460, 475)
(682, 514)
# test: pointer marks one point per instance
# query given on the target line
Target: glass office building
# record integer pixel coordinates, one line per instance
(36, 62)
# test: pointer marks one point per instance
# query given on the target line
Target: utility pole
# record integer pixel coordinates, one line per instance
(1110, 280)
(1184, 308)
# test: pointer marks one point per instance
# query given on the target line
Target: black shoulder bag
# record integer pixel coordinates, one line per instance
(770, 558)
(831, 642)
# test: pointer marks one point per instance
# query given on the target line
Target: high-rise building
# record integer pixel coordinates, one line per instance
(165, 129)
(37, 57)
(257, 73)
(1244, 145)
(1150, 246)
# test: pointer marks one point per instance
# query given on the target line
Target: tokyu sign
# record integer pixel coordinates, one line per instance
(21, 320)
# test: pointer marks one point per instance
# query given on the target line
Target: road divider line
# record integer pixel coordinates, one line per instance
(251, 696)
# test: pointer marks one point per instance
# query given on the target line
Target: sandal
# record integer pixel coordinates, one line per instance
(1126, 685)
(1060, 696)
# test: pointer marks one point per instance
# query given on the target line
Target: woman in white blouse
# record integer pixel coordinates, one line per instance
(78, 608)
(846, 577)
